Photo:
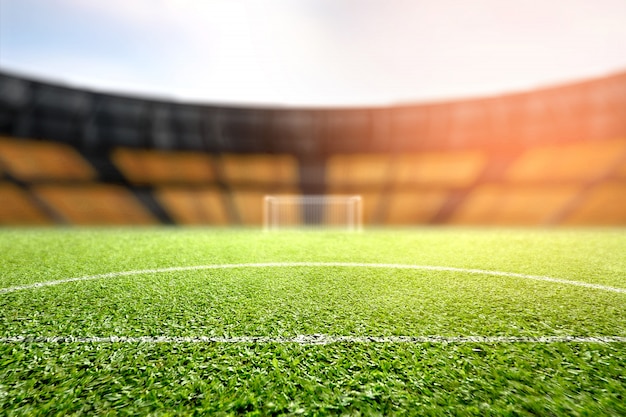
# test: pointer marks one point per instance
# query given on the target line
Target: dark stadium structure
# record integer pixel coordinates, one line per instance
(553, 156)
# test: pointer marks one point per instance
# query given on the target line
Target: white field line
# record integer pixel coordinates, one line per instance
(313, 265)
(315, 339)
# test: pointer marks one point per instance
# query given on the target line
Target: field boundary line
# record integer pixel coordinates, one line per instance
(314, 339)
(313, 265)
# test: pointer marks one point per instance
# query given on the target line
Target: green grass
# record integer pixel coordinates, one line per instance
(44, 378)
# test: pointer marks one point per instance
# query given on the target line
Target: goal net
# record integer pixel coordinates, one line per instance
(313, 211)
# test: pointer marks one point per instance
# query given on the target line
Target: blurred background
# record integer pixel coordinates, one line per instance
(436, 113)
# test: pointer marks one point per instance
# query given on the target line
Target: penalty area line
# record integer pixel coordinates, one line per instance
(314, 339)
(313, 265)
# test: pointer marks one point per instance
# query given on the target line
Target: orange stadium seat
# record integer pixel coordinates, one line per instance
(16, 208)
(260, 169)
(414, 207)
(604, 204)
(94, 204)
(160, 167)
(446, 169)
(358, 170)
(573, 162)
(513, 205)
(30, 160)
(249, 206)
(194, 206)
(620, 171)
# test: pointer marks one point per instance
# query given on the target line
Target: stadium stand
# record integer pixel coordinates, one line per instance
(438, 169)
(552, 156)
(17, 208)
(194, 206)
(94, 204)
(259, 169)
(143, 167)
(620, 171)
(247, 203)
(31, 160)
(578, 162)
(492, 204)
(407, 207)
(250, 177)
(603, 205)
(370, 170)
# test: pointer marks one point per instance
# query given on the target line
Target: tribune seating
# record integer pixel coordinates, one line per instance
(30, 160)
(388, 182)
(144, 167)
(570, 184)
(194, 206)
(17, 208)
(604, 204)
(259, 169)
(370, 170)
(620, 171)
(248, 203)
(579, 162)
(94, 204)
(406, 207)
(504, 204)
(442, 169)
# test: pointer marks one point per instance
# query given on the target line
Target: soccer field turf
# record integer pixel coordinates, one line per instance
(416, 321)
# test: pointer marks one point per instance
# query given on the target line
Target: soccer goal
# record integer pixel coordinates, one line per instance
(313, 212)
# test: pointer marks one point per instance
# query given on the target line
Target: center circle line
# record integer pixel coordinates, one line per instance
(313, 265)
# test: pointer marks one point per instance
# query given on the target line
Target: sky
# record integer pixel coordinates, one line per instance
(312, 52)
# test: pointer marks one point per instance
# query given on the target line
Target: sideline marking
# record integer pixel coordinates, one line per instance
(312, 264)
(317, 339)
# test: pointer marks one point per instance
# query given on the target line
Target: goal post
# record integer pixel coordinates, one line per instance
(342, 212)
